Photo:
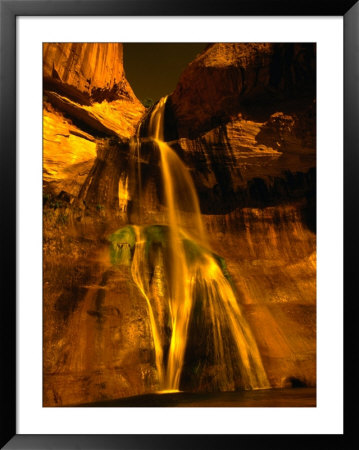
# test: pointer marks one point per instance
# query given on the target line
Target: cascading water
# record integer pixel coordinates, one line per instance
(192, 273)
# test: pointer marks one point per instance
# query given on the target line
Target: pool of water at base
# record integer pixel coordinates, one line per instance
(291, 397)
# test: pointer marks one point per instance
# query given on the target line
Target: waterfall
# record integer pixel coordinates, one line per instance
(193, 274)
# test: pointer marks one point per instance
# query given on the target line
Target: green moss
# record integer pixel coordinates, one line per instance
(124, 239)
(192, 250)
(222, 264)
(62, 219)
(122, 245)
(148, 102)
(155, 234)
(53, 202)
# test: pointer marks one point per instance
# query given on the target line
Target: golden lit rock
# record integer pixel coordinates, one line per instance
(86, 97)
(68, 153)
(88, 68)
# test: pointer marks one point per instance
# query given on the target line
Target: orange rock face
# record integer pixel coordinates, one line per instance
(89, 68)
(87, 97)
(87, 100)
(271, 255)
(250, 78)
(68, 153)
(244, 115)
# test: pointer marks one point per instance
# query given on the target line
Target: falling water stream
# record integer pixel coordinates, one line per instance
(190, 279)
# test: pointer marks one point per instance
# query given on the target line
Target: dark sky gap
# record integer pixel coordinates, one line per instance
(153, 69)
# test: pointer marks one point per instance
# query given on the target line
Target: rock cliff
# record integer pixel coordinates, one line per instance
(254, 79)
(244, 114)
(86, 97)
(86, 71)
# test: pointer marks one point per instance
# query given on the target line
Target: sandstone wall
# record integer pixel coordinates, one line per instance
(86, 97)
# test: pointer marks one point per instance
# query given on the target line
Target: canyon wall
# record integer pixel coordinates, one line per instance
(86, 70)
(86, 98)
(87, 102)
(243, 119)
(253, 79)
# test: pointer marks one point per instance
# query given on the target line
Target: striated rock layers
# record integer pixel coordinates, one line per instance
(253, 78)
(86, 70)
(245, 114)
(86, 97)
(242, 118)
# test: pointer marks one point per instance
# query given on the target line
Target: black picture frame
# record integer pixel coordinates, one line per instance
(9, 10)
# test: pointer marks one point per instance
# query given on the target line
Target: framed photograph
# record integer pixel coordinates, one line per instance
(173, 176)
